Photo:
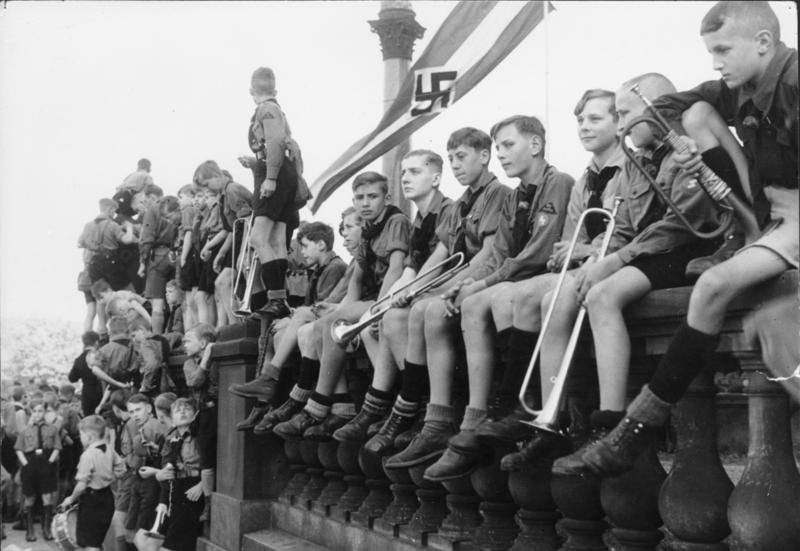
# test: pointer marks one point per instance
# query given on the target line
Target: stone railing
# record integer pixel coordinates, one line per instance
(342, 499)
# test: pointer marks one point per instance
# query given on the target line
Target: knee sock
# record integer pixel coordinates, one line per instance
(319, 405)
(718, 160)
(517, 357)
(687, 355)
(377, 402)
(309, 373)
(501, 346)
(415, 382)
(283, 267)
(272, 276)
(299, 394)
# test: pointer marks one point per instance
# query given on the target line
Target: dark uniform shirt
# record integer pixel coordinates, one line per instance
(157, 232)
(204, 383)
(92, 392)
(132, 448)
(373, 256)
(423, 239)
(324, 278)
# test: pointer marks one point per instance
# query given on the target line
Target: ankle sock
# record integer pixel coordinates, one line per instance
(309, 373)
(319, 405)
(472, 418)
(404, 408)
(686, 356)
(649, 409)
(300, 394)
(415, 381)
(377, 402)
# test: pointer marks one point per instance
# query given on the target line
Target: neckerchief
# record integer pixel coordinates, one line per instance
(521, 231)
(460, 242)
(596, 185)
(418, 243)
(370, 232)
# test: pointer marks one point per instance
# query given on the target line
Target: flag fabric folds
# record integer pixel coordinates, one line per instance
(474, 38)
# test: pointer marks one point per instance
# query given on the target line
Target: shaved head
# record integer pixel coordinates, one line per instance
(652, 85)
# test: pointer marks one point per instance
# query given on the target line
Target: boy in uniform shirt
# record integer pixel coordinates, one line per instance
(176, 300)
(758, 93)
(91, 390)
(38, 446)
(380, 258)
(531, 221)
(188, 203)
(212, 235)
(202, 378)
(420, 174)
(116, 359)
(470, 229)
(181, 490)
(142, 437)
(98, 468)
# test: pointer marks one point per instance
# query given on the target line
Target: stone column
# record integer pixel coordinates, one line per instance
(397, 29)
(252, 470)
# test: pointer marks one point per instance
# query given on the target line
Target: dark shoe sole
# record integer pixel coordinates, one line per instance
(415, 462)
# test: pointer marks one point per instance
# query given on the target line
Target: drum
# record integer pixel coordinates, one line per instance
(64, 529)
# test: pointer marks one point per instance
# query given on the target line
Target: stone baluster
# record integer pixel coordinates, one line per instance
(498, 529)
(694, 499)
(403, 505)
(432, 509)
(537, 515)
(764, 508)
(378, 496)
(630, 501)
(578, 499)
(462, 517)
(316, 481)
(297, 472)
(327, 453)
(356, 489)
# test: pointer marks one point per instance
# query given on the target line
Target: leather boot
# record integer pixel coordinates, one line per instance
(261, 388)
(356, 429)
(464, 453)
(284, 412)
(295, 427)
(47, 518)
(383, 442)
(508, 428)
(601, 424)
(429, 443)
(540, 452)
(252, 419)
(324, 431)
(30, 533)
(734, 240)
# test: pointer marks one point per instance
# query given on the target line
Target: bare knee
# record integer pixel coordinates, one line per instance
(711, 290)
(474, 311)
(695, 121)
(305, 336)
(434, 317)
(602, 298)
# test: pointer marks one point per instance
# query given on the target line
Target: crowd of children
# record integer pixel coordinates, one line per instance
(159, 275)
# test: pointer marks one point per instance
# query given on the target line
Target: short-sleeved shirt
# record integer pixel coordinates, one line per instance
(98, 466)
(482, 219)
(135, 453)
(28, 439)
(101, 234)
(117, 359)
(235, 202)
(211, 224)
(394, 237)
(188, 215)
(204, 383)
(157, 231)
(269, 132)
(338, 293)
(324, 278)
(423, 238)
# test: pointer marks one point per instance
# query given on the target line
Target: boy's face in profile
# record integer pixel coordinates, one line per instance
(467, 163)
(173, 296)
(312, 251)
(210, 198)
(192, 344)
(735, 53)
(597, 128)
(370, 200)
(417, 177)
(351, 232)
(630, 106)
(515, 150)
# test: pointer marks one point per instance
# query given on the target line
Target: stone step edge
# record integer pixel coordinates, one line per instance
(274, 539)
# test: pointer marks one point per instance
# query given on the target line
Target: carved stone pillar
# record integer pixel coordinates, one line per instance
(764, 508)
(537, 515)
(578, 499)
(404, 501)
(694, 499)
(316, 481)
(462, 518)
(335, 487)
(378, 496)
(297, 472)
(432, 509)
(356, 489)
(498, 530)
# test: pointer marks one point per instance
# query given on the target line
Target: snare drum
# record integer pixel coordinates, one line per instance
(64, 529)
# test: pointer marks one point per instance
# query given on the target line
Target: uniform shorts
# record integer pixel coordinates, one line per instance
(142, 507)
(278, 207)
(160, 269)
(95, 510)
(206, 274)
(122, 492)
(39, 476)
(669, 269)
(188, 276)
(782, 237)
(183, 524)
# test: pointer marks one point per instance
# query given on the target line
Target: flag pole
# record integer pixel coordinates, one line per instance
(546, 65)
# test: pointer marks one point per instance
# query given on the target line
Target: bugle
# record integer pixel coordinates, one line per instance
(245, 267)
(711, 184)
(546, 418)
(343, 332)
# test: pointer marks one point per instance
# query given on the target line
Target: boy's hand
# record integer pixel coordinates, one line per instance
(691, 160)
(167, 473)
(147, 472)
(594, 273)
(205, 253)
(268, 188)
(450, 295)
(206, 355)
(67, 502)
(217, 265)
(161, 509)
(195, 492)
(141, 270)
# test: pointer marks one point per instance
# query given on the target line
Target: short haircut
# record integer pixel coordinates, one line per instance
(67, 389)
(471, 137)
(263, 81)
(17, 393)
(597, 93)
(35, 402)
(115, 306)
(152, 189)
(203, 332)
(206, 169)
(525, 124)
(348, 212)
(99, 287)
(168, 204)
(164, 401)
(187, 189)
(94, 424)
(752, 17)
(106, 203)
(51, 400)
(183, 402)
(143, 164)
(119, 398)
(652, 85)
(118, 325)
(90, 338)
(370, 177)
(138, 324)
(431, 157)
(317, 231)
(139, 398)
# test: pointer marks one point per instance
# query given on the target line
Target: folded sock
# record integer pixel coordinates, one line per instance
(472, 418)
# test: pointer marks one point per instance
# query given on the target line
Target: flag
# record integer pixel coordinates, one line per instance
(473, 39)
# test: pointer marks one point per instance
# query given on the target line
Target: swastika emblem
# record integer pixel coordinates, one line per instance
(433, 90)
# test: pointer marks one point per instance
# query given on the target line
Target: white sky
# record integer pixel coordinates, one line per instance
(86, 89)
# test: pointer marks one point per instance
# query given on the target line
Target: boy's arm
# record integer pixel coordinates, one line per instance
(194, 373)
(139, 309)
(147, 235)
(330, 278)
(22, 459)
(105, 377)
(226, 246)
(187, 247)
(396, 260)
(714, 92)
(216, 240)
(274, 129)
(354, 285)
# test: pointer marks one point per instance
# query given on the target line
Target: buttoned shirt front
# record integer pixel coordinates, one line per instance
(98, 466)
(28, 440)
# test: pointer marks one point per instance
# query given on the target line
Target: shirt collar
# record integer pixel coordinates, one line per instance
(763, 94)
(486, 178)
(617, 160)
(326, 260)
(434, 207)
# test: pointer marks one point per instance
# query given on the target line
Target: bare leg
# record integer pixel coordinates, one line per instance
(157, 317)
(286, 342)
(222, 295)
(88, 319)
(441, 359)
(527, 301)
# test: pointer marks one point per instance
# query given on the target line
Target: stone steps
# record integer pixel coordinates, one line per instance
(277, 540)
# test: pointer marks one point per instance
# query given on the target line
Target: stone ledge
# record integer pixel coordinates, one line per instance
(277, 540)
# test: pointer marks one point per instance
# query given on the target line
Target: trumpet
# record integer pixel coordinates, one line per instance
(245, 267)
(711, 184)
(546, 418)
(343, 332)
